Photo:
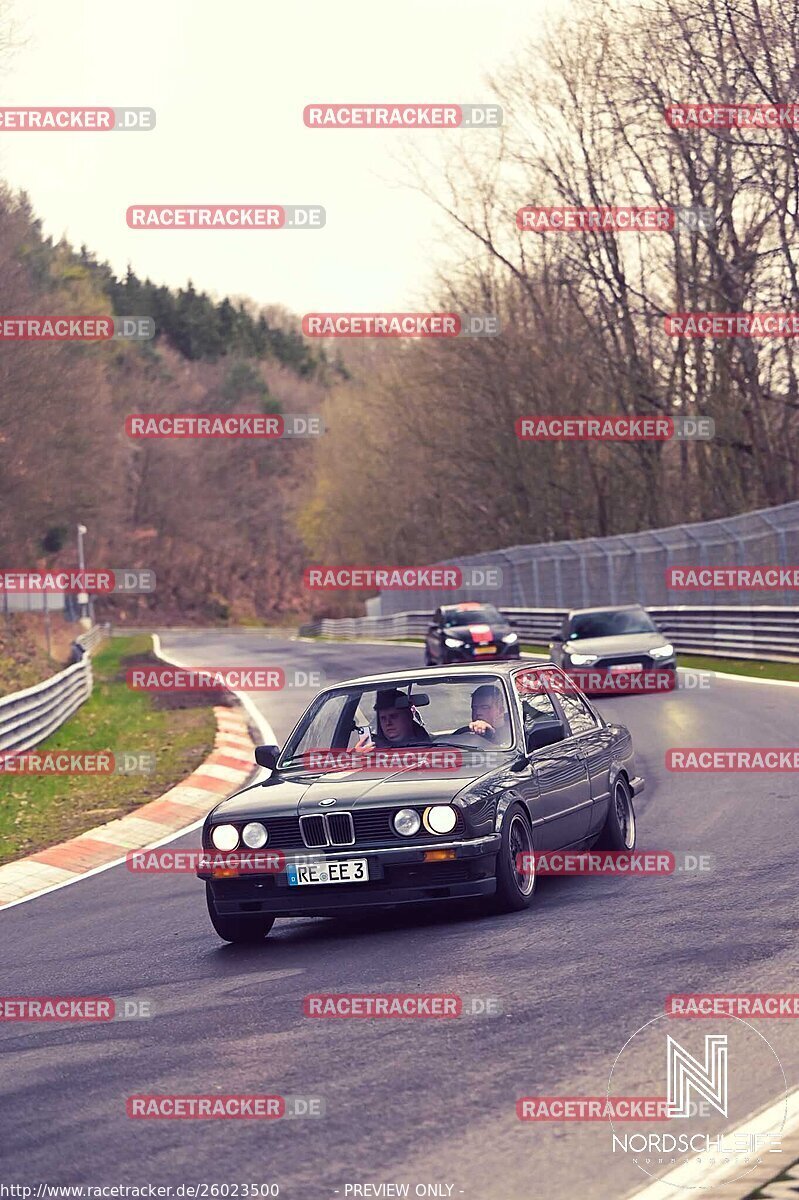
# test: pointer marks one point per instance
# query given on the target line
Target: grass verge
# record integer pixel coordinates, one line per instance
(740, 666)
(40, 810)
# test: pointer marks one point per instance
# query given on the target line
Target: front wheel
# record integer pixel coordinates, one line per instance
(515, 877)
(236, 929)
(619, 829)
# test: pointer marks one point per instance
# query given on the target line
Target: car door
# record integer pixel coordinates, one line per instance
(555, 777)
(594, 739)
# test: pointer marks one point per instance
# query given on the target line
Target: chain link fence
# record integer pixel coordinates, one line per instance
(628, 569)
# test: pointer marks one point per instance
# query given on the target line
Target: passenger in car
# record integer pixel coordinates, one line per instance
(398, 723)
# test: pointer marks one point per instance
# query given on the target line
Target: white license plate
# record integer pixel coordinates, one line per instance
(346, 870)
(626, 667)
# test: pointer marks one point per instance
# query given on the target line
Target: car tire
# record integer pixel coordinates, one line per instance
(515, 889)
(619, 830)
(428, 662)
(239, 930)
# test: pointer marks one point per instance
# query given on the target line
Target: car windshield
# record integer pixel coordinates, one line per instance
(611, 623)
(385, 715)
(481, 614)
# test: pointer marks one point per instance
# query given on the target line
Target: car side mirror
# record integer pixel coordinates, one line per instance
(266, 756)
(544, 733)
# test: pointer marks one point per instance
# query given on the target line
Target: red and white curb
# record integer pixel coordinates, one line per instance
(181, 809)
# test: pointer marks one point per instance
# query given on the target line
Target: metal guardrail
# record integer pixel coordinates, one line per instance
(90, 640)
(28, 717)
(767, 632)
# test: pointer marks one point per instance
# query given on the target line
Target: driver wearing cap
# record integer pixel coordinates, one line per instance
(398, 723)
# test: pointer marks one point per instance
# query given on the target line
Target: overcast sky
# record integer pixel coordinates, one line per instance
(229, 80)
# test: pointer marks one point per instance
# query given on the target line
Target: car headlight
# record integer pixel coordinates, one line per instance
(225, 837)
(662, 651)
(453, 643)
(407, 822)
(254, 835)
(510, 638)
(583, 660)
(440, 818)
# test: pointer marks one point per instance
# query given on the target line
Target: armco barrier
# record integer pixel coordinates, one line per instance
(90, 640)
(30, 716)
(766, 632)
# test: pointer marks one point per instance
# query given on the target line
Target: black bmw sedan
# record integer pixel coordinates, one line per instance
(469, 633)
(430, 785)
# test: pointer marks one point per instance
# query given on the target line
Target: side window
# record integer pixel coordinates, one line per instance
(579, 716)
(323, 729)
(536, 704)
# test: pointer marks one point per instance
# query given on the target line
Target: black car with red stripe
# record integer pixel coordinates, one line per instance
(469, 633)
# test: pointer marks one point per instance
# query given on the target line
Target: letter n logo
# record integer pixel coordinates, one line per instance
(708, 1079)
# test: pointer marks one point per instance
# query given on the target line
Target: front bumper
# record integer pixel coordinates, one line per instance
(396, 876)
(600, 680)
(467, 654)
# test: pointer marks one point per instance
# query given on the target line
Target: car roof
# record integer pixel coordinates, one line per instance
(465, 605)
(428, 673)
(578, 612)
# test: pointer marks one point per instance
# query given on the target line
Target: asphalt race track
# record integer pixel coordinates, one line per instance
(418, 1101)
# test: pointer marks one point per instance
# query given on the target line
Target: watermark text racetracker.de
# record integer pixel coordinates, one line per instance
(238, 1107)
(75, 120)
(732, 324)
(732, 758)
(129, 580)
(591, 1108)
(225, 216)
(612, 219)
(715, 114)
(613, 862)
(72, 1009)
(263, 426)
(78, 762)
(765, 578)
(399, 1006)
(386, 761)
(36, 328)
(614, 428)
(185, 861)
(145, 677)
(612, 680)
(388, 578)
(402, 116)
(399, 325)
(744, 1005)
